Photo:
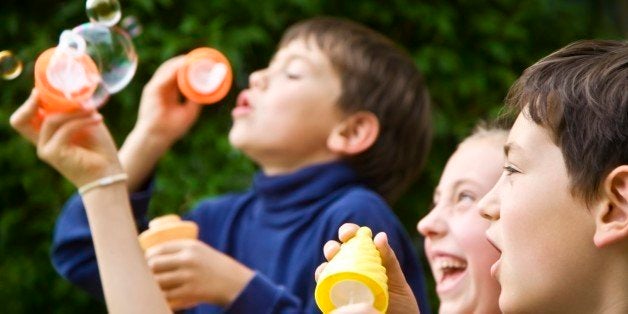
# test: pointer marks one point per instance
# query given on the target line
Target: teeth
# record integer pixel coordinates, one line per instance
(447, 264)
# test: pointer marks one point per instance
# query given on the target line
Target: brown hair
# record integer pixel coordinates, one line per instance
(376, 76)
(492, 131)
(580, 94)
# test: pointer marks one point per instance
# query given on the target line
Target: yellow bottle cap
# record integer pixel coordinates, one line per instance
(354, 275)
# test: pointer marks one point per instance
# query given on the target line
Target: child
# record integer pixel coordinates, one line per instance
(338, 123)
(559, 212)
(561, 219)
(454, 231)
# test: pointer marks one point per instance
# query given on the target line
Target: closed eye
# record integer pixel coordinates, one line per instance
(510, 170)
(293, 76)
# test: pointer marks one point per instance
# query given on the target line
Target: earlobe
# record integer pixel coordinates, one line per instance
(611, 219)
(355, 134)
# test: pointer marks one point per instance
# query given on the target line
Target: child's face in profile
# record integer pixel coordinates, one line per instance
(283, 119)
(544, 233)
(455, 240)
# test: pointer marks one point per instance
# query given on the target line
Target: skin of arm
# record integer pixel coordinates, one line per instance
(79, 146)
(162, 120)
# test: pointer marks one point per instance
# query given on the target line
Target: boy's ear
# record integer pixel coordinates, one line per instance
(355, 134)
(611, 219)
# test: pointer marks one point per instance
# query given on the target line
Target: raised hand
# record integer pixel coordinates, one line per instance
(162, 119)
(401, 298)
(162, 113)
(190, 272)
(77, 144)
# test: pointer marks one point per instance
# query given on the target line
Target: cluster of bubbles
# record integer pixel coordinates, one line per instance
(108, 45)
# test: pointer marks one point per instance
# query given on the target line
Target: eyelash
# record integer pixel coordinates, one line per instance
(510, 170)
(465, 194)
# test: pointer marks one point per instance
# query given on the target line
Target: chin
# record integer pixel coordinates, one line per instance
(449, 308)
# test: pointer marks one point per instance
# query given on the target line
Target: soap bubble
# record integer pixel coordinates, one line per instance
(132, 26)
(113, 52)
(10, 65)
(106, 12)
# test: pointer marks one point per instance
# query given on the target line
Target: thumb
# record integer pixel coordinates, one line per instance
(402, 299)
(389, 259)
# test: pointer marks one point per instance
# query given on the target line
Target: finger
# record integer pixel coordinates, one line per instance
(177, 295)
(166, 248)
(389, 259)
(166, 73)
(21, 119)
(168, 280)
(330, 249)
(66, 130)
(163, 263)
(319, 270)
(49, 150)
(52, 122)
(347, 231)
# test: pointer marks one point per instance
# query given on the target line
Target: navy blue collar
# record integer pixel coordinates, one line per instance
(303, 186)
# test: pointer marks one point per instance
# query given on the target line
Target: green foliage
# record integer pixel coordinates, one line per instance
(469, 51)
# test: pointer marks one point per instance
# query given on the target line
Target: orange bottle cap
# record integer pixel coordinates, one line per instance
(58, 93)
(205, 76)
(167, 228)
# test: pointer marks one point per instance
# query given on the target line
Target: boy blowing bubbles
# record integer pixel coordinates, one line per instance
(559, 212)
(338, 123)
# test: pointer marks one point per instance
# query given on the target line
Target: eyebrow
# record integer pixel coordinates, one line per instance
(457, 185)
(294, 56)
(510, 147)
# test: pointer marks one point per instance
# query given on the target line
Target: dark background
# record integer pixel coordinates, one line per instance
(469, 51)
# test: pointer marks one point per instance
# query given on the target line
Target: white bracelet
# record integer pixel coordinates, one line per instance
(103, 182)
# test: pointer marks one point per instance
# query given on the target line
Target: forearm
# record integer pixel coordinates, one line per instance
(140, 154)
(128, 284)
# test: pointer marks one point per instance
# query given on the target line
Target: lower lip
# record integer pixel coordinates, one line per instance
(495, 269)
(449, 283)
(240, 111)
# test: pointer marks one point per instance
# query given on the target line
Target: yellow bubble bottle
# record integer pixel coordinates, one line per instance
(167, 228)
(354, 275)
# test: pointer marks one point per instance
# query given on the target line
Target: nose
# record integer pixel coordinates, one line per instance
(258, 79)
(489, 204)
(432, 225)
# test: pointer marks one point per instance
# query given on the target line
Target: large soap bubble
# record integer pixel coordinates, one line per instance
(113, 52)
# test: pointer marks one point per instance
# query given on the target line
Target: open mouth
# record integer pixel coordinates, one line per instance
(448, 270)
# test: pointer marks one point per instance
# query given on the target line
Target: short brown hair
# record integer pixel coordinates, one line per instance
(580, 94)
(376, 76)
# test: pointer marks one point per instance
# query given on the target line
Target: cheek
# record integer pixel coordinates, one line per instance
(471, 235)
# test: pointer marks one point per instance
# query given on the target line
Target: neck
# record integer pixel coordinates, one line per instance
(279, 167)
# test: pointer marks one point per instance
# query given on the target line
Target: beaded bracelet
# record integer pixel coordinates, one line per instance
(108, 180)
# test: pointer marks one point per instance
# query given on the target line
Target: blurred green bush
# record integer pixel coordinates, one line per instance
(469, 51)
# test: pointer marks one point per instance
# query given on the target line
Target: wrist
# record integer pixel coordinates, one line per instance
(239, 280)
(102, 182)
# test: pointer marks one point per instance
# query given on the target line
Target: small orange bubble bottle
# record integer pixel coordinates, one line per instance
(205, 76)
